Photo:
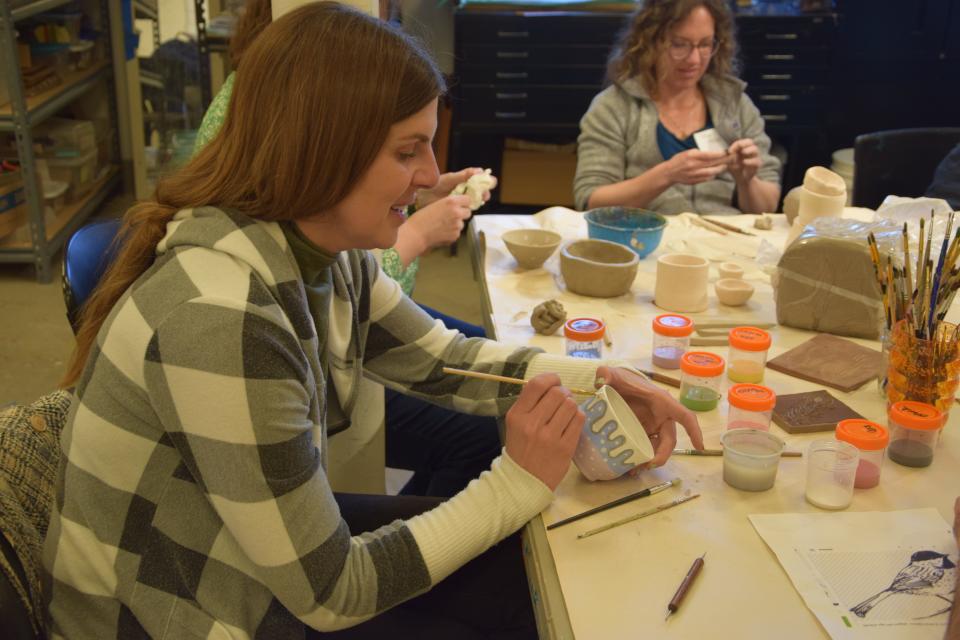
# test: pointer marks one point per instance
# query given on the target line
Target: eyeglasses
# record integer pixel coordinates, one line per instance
(681, 49)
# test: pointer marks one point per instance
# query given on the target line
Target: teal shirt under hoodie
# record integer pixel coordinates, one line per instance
(618, 141)
(193, 500)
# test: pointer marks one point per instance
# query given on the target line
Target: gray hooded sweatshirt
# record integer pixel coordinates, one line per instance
(618, 140)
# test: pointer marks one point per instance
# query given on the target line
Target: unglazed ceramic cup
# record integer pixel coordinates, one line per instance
(612, 441)
(681, 283)
(733, 292)
(730, 270)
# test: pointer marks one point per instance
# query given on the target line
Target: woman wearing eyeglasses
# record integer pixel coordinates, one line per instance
(672, 75)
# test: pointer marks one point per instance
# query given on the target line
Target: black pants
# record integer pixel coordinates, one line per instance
(485, 599)
(444, 449)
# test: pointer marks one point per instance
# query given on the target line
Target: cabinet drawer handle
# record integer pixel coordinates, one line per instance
(513, 54)
(511, 96)
(775, 118)
(513, 34)
(779, 56)
(509, 115)
(510, 75)
(776, 76)
(781, 36)
(775, 97)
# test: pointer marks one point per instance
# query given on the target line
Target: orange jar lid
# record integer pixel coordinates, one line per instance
(701, 363)
(584, 329)
(752, 397)
(749, 339)
(673, 325)
(863, 434)
(915, 415)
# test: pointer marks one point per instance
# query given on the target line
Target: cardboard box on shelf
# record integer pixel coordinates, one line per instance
(537, 174)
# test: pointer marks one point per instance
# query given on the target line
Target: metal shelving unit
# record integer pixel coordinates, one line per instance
(20, 117)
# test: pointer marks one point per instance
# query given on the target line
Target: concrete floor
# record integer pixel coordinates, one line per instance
(36, 340)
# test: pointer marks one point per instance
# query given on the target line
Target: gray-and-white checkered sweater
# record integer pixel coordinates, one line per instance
(192, 498)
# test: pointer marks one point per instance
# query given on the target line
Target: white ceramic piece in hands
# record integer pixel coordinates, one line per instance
(733, 292)
(730, 270)
(474, 188)
(612, 441)
(681, 283)
(531, 247)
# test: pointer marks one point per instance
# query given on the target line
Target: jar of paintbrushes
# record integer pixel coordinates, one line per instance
(922, 349)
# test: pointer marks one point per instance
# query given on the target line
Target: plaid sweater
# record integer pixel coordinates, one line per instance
(192, 498)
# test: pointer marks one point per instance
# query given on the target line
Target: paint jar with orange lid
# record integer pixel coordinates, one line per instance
(751, 406)
(584, 337)
(671, 339)
(871, 439)
(914, 430)
(700, 376)
(748, 354)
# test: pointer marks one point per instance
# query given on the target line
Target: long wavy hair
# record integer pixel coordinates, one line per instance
(647, 33)
(314, 99)
(257, 14)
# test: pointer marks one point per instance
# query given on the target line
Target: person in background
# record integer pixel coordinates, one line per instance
(444, 449)
(236, 323)
(671, 76)
(946, 179)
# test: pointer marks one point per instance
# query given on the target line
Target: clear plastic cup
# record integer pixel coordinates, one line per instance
(751, 407)
(871, 439)
(584, 338)
(700, 376)
(748, 354)
(671, 339)
(914, 430)
(750, 459)
(831, 472)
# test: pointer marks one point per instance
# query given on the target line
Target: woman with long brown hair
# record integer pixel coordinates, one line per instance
(444, 449)
(672, 75)
(236, 325)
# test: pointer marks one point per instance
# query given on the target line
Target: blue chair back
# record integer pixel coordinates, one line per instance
(87, 255)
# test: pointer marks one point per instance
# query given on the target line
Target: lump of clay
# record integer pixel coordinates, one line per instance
(764, 223)
(547, 317)
(474, 187)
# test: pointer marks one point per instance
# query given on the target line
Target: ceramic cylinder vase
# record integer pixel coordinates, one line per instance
(612, 441)
(681, 283)
(814, 205)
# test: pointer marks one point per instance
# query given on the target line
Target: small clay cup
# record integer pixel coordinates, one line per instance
(612, 440)
(681, 283)
(730, 270)
(733, 292)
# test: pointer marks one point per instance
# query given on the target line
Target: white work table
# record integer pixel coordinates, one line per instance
(617, 584)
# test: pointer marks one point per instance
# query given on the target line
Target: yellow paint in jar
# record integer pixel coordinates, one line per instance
(749, 371)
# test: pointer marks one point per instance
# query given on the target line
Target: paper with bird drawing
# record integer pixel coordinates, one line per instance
(886, 575)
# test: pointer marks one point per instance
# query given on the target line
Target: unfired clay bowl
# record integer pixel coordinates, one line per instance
(730, 270)
(531, 247)
(733, 292)
(598, 268)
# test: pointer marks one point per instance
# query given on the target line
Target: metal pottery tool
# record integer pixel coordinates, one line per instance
(684, 587)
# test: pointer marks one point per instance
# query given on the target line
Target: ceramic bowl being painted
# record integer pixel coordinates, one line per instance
(639, 229)
(733, 292)
(531, 247)
(598, 268)
(612, 441)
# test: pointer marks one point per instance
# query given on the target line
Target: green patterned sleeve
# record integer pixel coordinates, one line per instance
(392, 266)
(215, 115)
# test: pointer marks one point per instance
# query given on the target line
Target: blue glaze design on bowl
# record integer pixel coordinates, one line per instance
(639, 229)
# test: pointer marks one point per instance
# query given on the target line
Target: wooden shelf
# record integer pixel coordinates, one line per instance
(55, 94)
(66, 213)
